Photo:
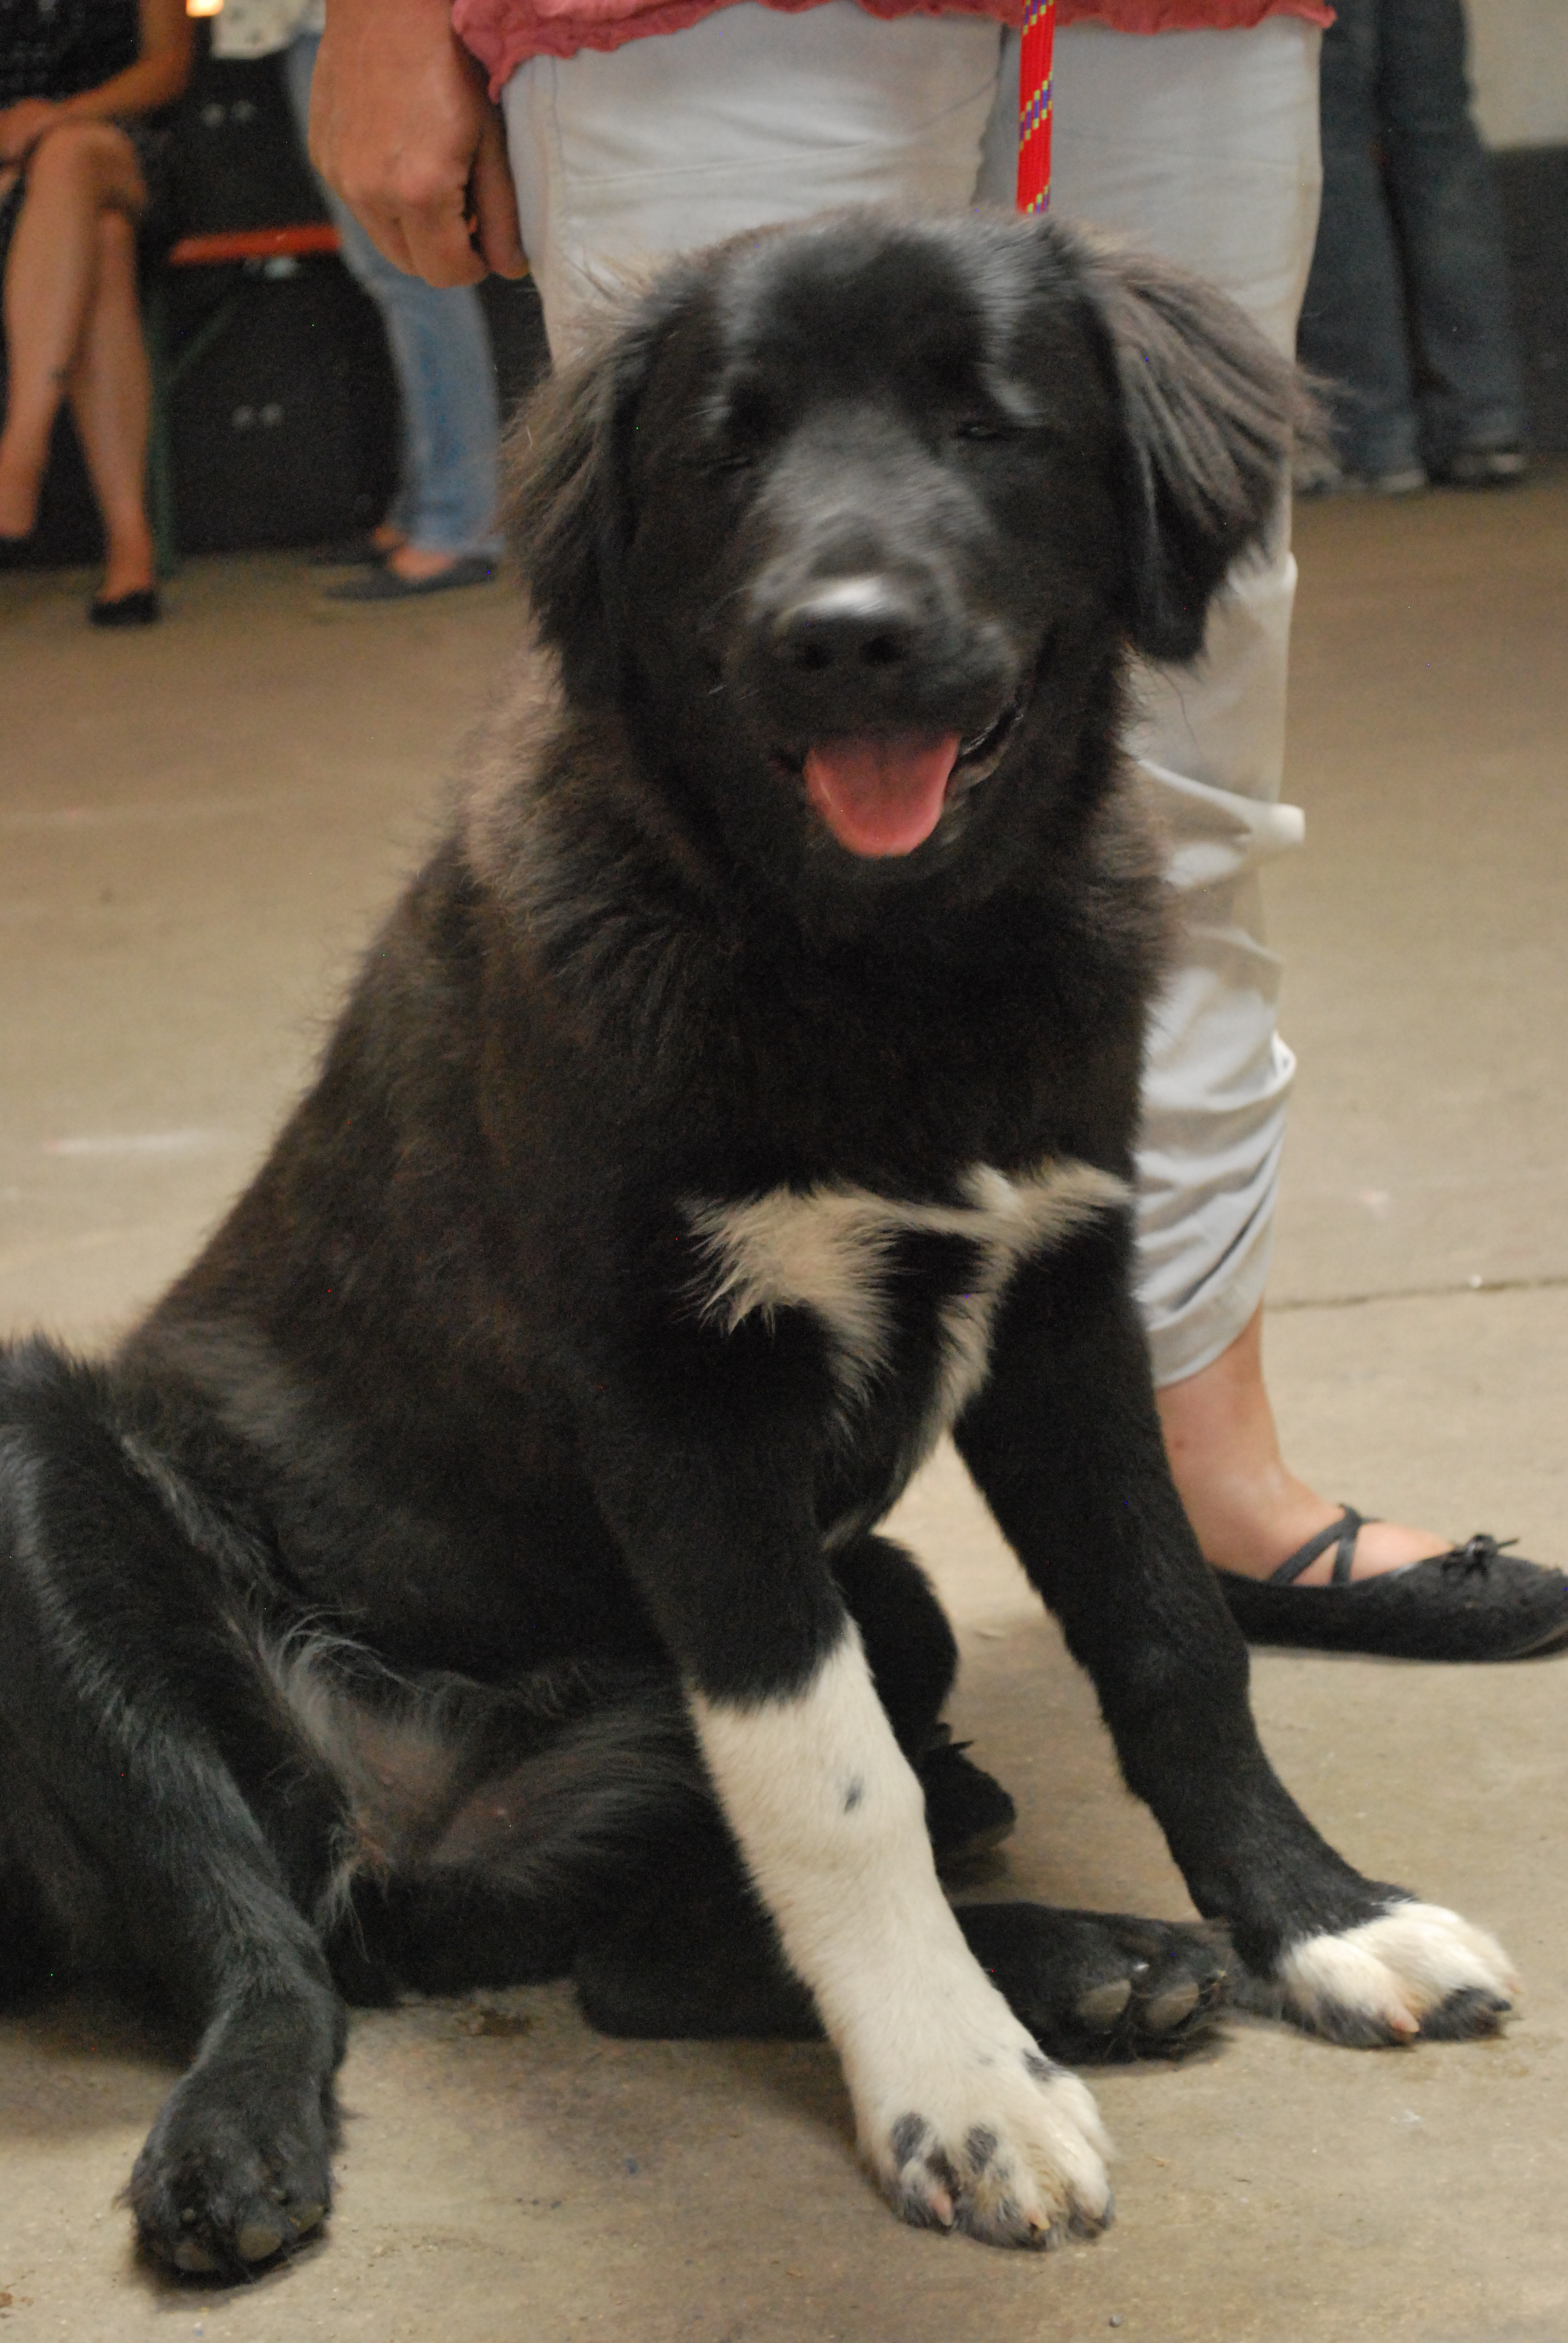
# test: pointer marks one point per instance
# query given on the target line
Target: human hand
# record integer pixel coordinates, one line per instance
(23, 124)
(402, 127)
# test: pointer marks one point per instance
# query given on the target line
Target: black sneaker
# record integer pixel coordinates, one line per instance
(1483, 467)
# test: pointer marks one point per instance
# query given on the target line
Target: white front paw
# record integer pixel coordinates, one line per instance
(994, 2139)
(1417, 1969)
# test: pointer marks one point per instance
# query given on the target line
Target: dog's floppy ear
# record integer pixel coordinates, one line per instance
(1210, 415)
(568, 500)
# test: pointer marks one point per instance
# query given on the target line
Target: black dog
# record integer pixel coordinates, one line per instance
(467, 1575)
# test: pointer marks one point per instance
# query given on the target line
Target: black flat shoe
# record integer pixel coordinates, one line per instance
(385, 585)
(140, 608)
(1483, 467)
(360, 552)
(1473, 1603)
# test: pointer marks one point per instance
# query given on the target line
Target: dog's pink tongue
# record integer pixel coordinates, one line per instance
(882, 797)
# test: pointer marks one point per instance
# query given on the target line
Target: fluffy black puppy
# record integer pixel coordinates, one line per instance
(466, 1573)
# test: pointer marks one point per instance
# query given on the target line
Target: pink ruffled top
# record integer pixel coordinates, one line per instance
(503, 33)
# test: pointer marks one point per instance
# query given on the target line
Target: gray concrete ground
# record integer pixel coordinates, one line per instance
(195, 829)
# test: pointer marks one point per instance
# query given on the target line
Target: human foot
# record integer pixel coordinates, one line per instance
(130, 565)
(415, 565)
(1251, 1530)
(1248, 1510)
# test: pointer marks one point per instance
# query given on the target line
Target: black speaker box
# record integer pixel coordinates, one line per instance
(284, 428)
(282, 410)
(238, 160)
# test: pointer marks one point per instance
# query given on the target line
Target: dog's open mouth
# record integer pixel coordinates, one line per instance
(883, 794)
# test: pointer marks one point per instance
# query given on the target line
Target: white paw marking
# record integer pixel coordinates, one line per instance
(828, 1249)
(995, 2141)
(830, 1820)
(1394, 1972)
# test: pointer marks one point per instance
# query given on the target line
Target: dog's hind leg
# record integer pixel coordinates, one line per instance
(135, 1702)
(913, 1658)
(911, 1648)
(692, 1955)
(550, 1828)
(58, 1916)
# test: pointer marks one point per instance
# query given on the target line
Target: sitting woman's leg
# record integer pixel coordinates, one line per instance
(111, 398)
(54, 277)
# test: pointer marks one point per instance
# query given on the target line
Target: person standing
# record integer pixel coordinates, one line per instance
(1406, 316)
(441, 530)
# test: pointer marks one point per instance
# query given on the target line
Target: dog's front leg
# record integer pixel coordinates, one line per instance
(965, 2122)
(1064, 1442)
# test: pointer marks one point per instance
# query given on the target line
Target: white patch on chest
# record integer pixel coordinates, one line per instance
(829, 1250)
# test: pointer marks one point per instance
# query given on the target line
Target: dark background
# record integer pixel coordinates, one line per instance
(283, 430)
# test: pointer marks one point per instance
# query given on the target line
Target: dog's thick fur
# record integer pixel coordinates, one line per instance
(468, 1573)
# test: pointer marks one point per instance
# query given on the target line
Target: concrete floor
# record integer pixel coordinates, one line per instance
(196, 828)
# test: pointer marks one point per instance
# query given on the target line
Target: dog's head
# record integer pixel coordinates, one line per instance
(855, 523)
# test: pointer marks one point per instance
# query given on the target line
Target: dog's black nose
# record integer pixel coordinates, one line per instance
(846, 623)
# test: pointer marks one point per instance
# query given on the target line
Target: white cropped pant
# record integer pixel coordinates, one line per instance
(1203, 146)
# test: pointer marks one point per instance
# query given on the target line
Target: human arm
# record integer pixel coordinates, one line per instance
(158, 75)
(402, 127)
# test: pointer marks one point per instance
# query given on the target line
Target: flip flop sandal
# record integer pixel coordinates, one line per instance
(1476, 1601)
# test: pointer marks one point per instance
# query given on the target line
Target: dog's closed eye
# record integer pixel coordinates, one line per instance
(985, 428)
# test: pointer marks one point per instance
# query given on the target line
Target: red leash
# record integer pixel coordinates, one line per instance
(1034, 106)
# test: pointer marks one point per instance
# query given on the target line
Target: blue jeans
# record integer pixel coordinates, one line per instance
(445, 500)
(1407, 308)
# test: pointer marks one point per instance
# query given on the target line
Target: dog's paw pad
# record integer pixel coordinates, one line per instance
(268, 2236)
(1102, 1984)
(1099, 2009)
(211, 2239)
(224, 2183)
(191, 2256)
(1416, 1969)
(1165, 2011)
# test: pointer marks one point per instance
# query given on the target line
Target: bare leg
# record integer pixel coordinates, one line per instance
(111, 398)
(51, 284)
(1248, 1509)
(416, 562)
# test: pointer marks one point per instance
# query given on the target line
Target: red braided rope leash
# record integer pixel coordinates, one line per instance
(1034, 105)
